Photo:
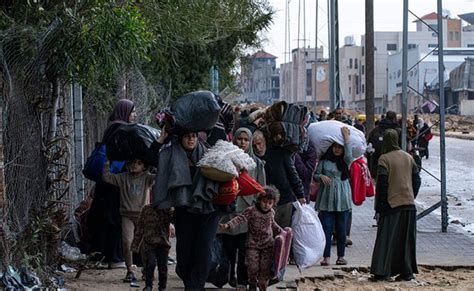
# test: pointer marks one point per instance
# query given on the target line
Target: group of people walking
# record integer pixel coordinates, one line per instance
(138, 209)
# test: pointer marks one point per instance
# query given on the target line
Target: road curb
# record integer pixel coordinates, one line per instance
(457, 135)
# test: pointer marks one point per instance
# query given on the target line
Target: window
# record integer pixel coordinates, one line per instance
(363, 51)
(350, 63)
(432, 45)
(470, 95)
(451, 35)
(456, 35)
(433, 27)
(363, 88)
(349, 77)
(391, 46)
(470, 45)
(309, 83)
(363, 69)
(357, 84)
(356, 64)
(412, 45)
(350, 90)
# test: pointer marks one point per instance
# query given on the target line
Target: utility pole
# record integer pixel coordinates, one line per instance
(442, 140)
(316, 57)
(332, 54)
(369, 65)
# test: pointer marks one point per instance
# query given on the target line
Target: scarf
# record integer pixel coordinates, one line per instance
(258, 173)
(339, 160)
(122, 110)
(175, 186)
(390, 141)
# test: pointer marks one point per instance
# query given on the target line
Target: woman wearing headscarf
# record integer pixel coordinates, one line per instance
(234, 240)
(104, 221)
(179, 184)
(398, 182)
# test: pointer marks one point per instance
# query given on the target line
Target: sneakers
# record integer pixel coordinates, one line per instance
(341, 261)
(171, 261)
(129, 277)
(117, 265)
(348, 241)
(404, 277)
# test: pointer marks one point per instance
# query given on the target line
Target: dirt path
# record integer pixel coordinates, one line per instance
(427, 279)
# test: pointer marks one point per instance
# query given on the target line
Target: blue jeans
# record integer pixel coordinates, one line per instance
(328, 220)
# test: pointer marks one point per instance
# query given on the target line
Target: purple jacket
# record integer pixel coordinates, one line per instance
(305, 164)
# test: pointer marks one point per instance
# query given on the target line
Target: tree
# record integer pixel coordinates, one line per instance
(44, 44)
(165, 45)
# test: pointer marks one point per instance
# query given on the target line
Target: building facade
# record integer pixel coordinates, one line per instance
(260, 78)
(388, 43)
(299, 77)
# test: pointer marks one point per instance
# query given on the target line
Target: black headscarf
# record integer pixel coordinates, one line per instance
(339, 160)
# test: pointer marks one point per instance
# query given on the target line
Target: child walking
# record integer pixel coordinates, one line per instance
(134, 187)
(260, 239)
(152, 241)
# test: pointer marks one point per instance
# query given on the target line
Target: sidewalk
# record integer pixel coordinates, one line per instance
(433, 247)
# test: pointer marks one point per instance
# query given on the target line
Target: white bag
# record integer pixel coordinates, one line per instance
(323, 134)
(308, 236)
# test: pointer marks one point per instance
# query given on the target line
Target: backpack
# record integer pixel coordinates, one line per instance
(95, 164)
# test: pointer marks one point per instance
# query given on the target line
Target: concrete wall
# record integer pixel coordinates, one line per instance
(467, 107)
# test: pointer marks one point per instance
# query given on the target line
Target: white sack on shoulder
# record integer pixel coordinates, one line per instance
(323, 134)
(227, 157)
(308, 236)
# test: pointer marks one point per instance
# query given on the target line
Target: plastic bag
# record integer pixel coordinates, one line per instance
(71, 253)
(95, 164)
(323, 134)
(308, 236)
(133, 141)
(195, 111)
(22, 279)
(220, 265)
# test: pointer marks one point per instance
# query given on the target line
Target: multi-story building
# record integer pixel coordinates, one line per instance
(425, 38)
(424, 72)
(259, 78)
(299, 78)
(467, 32)
(351, 74)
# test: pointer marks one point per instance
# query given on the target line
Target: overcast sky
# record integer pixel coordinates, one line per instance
(388, 16)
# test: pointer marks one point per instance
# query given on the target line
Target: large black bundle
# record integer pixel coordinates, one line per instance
(195, 111)
(132, 141)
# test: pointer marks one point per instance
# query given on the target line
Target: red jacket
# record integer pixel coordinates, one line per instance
(361, 181)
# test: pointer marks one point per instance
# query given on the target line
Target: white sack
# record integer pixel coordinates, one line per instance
(227, 157)
(308, 236)
(323, 134)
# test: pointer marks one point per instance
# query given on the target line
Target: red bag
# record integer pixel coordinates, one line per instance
(362, 185)
(313, 190)
(281, 252)
(247, 185)
(228, 192)
(428, 136)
